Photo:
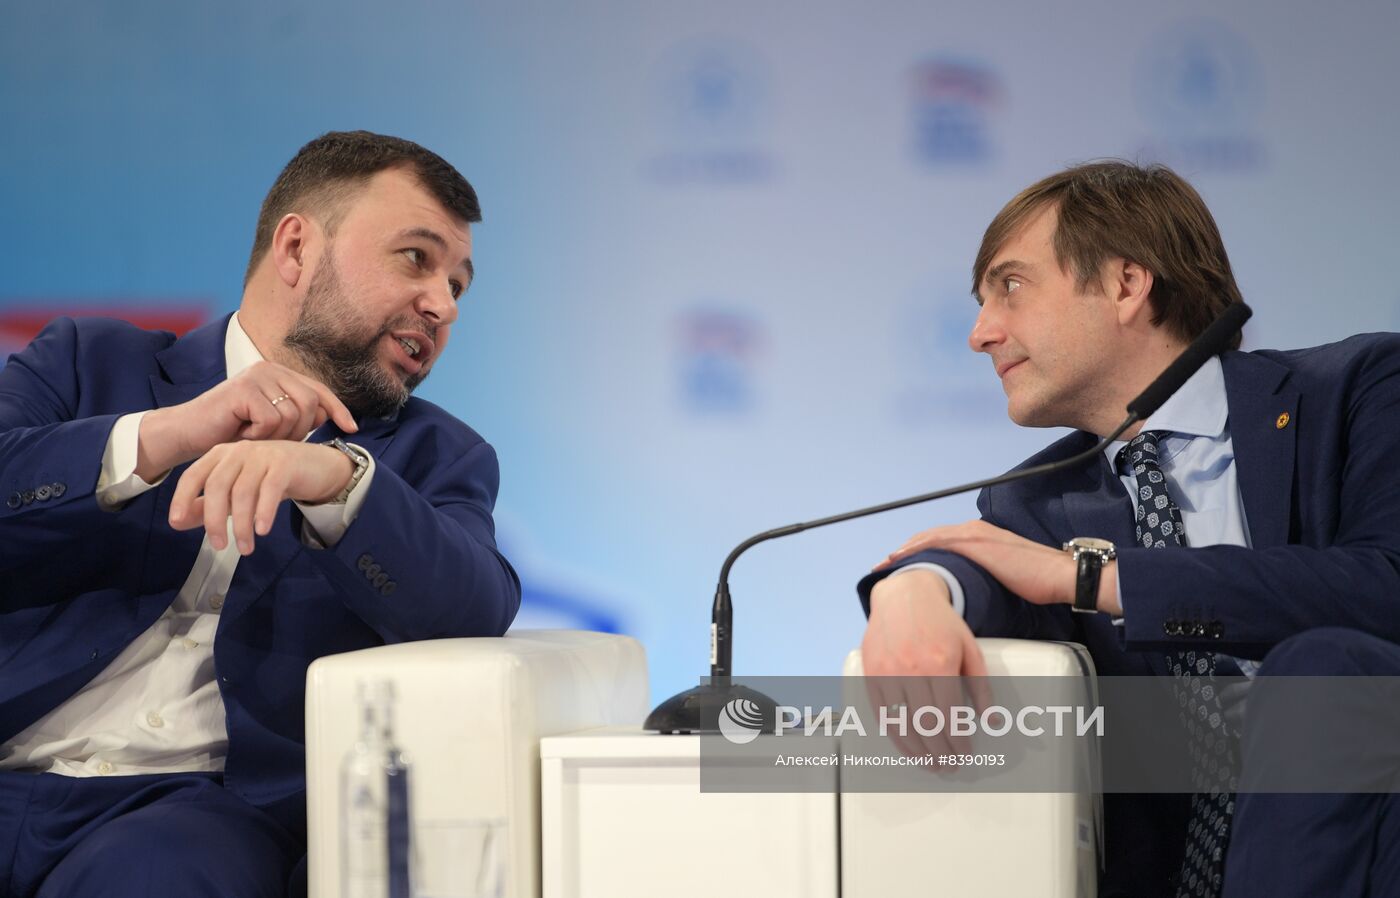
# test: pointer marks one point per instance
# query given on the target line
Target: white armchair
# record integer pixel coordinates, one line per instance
(470, 714)
(958, 838)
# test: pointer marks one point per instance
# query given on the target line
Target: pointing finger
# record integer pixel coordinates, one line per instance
(334, 407)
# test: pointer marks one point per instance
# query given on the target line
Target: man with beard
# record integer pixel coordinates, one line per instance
(162, 600)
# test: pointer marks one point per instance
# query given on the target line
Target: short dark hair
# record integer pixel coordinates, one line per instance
(1145, 214)
(332, 168)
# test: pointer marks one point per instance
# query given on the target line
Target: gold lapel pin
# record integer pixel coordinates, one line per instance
(1282, 421)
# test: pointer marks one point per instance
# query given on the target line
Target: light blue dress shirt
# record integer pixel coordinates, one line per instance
(1198, 460)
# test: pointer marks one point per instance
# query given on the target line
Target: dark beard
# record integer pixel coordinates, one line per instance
(323, 341)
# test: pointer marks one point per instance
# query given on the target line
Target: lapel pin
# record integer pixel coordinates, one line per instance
(1282, 421)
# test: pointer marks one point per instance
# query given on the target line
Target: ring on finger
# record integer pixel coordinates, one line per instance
(278, 399)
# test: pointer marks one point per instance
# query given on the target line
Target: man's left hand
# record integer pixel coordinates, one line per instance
(246, 481)
(1040, 574)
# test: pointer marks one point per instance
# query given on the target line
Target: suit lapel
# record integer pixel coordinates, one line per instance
(1097, 505)
(271, 556)
(1265, 442)
(374, 435)
(191, 365)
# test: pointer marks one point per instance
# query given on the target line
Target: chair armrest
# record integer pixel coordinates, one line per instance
(1016, 658)
(469, 713)
(961, 839)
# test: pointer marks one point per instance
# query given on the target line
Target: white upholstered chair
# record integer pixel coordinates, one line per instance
(470, 714)
(961, 838)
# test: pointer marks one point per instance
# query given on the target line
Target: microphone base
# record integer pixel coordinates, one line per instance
(697, 711)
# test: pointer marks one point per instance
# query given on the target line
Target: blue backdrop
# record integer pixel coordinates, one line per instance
(723, 276)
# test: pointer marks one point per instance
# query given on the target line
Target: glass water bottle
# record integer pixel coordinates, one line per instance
(374, 805)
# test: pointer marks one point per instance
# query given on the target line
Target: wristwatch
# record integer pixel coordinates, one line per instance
(361, 463)
(1091, 555)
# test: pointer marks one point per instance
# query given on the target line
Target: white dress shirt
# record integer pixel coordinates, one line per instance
(156, 708)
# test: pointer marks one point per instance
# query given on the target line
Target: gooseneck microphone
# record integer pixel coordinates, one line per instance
(696, 710)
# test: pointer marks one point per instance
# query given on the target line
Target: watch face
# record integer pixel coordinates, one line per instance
(1089, 542)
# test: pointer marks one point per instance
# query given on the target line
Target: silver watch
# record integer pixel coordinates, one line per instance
(361, 463)
(1090, 555)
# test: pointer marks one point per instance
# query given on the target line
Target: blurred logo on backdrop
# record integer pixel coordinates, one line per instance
(1200, 87)
(938, 376)
(714, 107)
(718, 352)
(22, 320)
(953, 101)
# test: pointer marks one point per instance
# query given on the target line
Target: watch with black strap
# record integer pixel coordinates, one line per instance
(1090, 556)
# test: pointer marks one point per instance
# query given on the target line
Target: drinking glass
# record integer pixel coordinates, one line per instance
(459, 859)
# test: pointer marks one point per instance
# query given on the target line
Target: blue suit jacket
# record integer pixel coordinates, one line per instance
(1321, 492)
(78, 584)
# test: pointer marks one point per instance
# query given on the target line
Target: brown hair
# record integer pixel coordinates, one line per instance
(1148, 215)
(332, 168)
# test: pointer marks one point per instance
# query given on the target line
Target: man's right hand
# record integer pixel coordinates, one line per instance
(247, 407)
(915, 634)
(914, 631)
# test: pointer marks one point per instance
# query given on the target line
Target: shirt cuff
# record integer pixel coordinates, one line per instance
(1118, 588)
(955, 590)
(118, 483)
(323, 525)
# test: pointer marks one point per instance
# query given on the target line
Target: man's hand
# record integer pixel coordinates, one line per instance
(264, 402)
(916, 638)
(914, 631)
(1041, 574)
(248, 480)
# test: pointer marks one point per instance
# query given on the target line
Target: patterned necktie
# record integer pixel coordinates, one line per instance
(1209, 737)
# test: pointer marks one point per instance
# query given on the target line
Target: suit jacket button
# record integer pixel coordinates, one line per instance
(388, 588)
(28, 496)
(381, 580)
(15, 500)
(373, 571)
(1171, 628)
(365, 561)
(59, 489)
(1217, 629)
(43, 493)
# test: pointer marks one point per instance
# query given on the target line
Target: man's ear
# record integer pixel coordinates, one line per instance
(290, 248)
(1129, 285)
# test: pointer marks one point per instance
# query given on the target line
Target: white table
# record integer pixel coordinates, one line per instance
(622, 815)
